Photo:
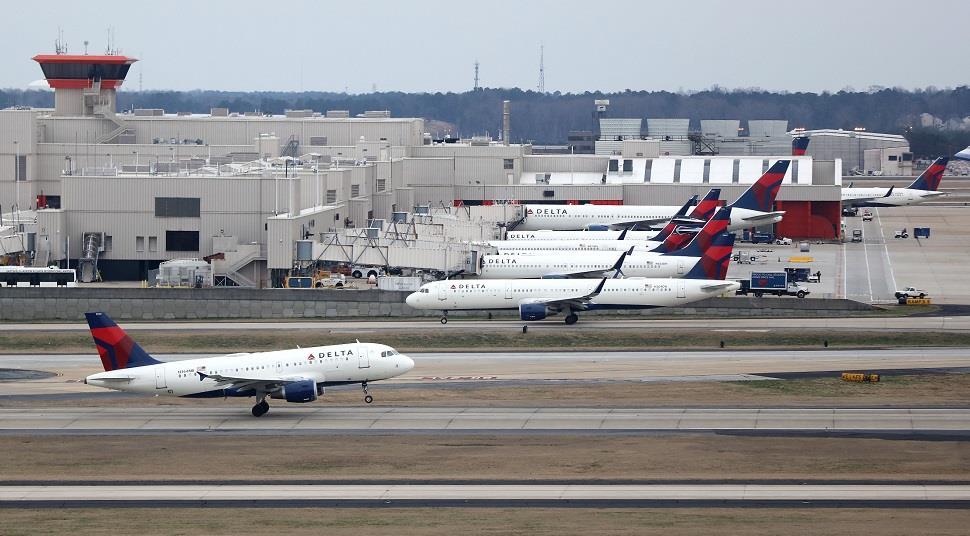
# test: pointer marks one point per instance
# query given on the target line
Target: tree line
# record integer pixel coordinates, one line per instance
(547, 118)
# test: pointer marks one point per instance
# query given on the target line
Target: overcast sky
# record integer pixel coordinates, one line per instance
(290, 45)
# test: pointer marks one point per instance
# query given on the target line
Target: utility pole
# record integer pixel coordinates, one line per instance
(476, 87)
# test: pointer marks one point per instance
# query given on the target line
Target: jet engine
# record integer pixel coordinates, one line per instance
(597, 227)
(299, 391)
(532, 311)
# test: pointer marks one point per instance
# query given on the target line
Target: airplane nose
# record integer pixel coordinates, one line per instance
(407, 363)
(410, 300)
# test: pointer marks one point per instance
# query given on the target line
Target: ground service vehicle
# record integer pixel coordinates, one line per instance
(910, 292)
(857, 235)
(776, 283)
(901, 233)
(867, 216)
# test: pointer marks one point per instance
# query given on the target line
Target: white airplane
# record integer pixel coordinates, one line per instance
(537, 298)
(753, 208)
(924, 188)
(631, 263)
(615, 240)
(299, 375)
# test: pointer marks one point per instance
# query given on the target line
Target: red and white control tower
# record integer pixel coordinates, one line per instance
(84, 85)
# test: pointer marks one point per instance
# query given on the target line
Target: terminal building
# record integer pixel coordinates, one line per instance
(116, 193)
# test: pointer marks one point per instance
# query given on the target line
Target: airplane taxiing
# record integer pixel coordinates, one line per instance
(924, 188)
(298, 375)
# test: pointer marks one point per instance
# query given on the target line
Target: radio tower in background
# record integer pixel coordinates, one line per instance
(477, 87)
(542, 69)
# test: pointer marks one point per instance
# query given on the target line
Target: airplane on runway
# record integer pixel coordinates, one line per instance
(924, 188)
(675, 233)
(299, 375)
(537, 298)
(631, 263)
(753, 208)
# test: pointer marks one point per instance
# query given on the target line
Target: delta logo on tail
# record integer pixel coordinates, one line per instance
(706, 208)
(930, 179)
(761, 195)
(116, 348)
(799, 145)
(716, 259)
(703, 239)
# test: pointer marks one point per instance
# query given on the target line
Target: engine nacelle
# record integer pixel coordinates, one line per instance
(299, 391)
(532, 311)
(597, 227)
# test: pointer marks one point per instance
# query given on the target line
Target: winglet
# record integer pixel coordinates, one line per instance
(622, 234)
(890, 192)
(599, 288)
(617, 268)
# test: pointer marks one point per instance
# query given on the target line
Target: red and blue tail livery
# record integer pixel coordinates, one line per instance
(715, 260)
(929, 180)
(705, 209)
(116, 348)
(761, 195)
(799, 145)
(704, 239)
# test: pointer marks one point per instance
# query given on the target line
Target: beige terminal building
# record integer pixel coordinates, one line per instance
(83, 184)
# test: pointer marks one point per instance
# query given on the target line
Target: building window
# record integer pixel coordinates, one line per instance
(153, 243)
(627, 166)
(354, 190)
(508, 163)
(107, 242)
(614, 166)
(177, 207)
(331, 197)
(381, 184)
(139, 243)
(181, 240)
(893, 158)
(20, 168)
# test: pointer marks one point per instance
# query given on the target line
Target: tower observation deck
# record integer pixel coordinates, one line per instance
(84, 85)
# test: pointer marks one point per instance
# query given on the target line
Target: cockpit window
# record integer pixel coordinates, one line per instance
(424, 291)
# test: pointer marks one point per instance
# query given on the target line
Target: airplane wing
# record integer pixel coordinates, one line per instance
(717, 286)
(600, 273)
(766, 217)
(638, 223)
(579, 303)
(241, 383)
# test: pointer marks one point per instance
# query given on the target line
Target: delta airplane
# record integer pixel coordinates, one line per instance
(675, 234)
(548, 264)
(299, 375)
(924, 188)
(753, 208)
(537, 298)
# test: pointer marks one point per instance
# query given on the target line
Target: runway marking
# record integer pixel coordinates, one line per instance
(885, 245)
(865, 251)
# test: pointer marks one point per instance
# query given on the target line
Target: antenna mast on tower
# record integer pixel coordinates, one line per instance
(542, 69)
(60, 47)
(477, 87)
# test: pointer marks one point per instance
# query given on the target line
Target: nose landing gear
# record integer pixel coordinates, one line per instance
(367, 398)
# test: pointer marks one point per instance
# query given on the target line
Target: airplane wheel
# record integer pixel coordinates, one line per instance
(260, 409)
(368, 399)
(571, 319)
(444, 320)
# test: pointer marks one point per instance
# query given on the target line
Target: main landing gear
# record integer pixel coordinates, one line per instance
(571, 319)
(367, 398)
(261, 407)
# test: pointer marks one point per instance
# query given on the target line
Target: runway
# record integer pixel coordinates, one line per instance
(734, 495)
(316, 420)
(954, 323)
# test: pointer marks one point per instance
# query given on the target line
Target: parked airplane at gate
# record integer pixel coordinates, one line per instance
(924, 188)
(753, 208)
(299, 375)
(672, 233)
(537, 298)
(631, 263)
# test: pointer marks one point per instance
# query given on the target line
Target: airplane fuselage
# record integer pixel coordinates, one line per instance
(527, 265)
(579, 217)
(538, 246)
(616, 293)
(584, 236)
(325, 365)
(876, 197)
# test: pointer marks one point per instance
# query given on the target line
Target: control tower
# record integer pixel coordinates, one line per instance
(84, 85)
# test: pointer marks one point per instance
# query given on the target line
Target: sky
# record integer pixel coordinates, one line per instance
(359, 45)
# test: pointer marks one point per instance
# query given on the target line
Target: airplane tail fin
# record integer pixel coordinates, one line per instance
(714, 263)
(929, 180)
(761, 195)
(799, 145)
(704, 239)
(671, 225)
(116, 348)
(706, 208)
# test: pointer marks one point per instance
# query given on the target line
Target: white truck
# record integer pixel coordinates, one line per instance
(909, 292)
